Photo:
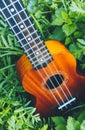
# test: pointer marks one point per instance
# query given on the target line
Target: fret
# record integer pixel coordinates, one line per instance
(41, 56)
(11, 4)
(18, 6)
(38, 54)
(14, 15)
(2, 6)
(26, 33)
(26, 22)
(20, 32)
(31, 29)
(37, 38)
(31, 43)
(11, 8)
(29, 50)
(39, 63)
(34, 35)
(23, 15)
(19, 22)
(6, 13)
(18, 29)
(20, 35)
(12, 20)
(47, 57)
(26, 47)
(8, 2)
(41, 48)
(34, 42)
(7, 21)
(34, 63)
(23, 42)
(20, 40)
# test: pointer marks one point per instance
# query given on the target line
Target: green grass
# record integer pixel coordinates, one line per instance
(67, 24)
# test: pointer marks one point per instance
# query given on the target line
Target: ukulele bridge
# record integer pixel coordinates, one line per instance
(65, 105)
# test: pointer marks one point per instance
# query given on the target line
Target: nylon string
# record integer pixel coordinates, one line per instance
(51, 73)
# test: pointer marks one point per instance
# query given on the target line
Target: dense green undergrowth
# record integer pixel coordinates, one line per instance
(63, 20)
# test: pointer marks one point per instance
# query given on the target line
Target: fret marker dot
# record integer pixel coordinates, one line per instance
(12, 9)
(37, 52)
(22, 26)
(41, 60)
(29, 38)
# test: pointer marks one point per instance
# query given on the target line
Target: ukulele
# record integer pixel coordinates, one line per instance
(47, 69)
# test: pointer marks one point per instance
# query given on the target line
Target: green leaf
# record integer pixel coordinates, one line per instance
(15, 111)
(77, 7)
(58, 12)
(64, 15)
(72, 124)
(81, 117)
(82, 127)
(58, 21)
(82, 41)
(69, 29)
(72, 47)
(1, 122)
(11, 123)
(67, 40)
(61, 127)
(32, 5)
(58, 34)
(45, 127)
(59, 120)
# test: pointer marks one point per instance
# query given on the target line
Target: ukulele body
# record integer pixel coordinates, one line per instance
(63, 64)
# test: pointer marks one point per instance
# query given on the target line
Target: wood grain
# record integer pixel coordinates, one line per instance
(34, 84)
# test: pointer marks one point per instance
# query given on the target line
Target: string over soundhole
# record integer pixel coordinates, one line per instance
(54, 81)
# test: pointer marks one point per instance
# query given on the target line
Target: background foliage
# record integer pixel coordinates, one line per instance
(62, 20)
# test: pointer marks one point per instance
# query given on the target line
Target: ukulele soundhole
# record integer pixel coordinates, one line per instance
(54, 81)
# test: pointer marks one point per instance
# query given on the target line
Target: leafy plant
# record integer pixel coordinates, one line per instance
(62, 20)
(64, 24)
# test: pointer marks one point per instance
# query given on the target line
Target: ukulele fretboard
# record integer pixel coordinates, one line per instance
(19, 22)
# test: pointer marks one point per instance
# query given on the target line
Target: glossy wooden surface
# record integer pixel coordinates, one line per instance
(34, 84)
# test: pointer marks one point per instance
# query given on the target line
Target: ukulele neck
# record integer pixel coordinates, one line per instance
(19, 22)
